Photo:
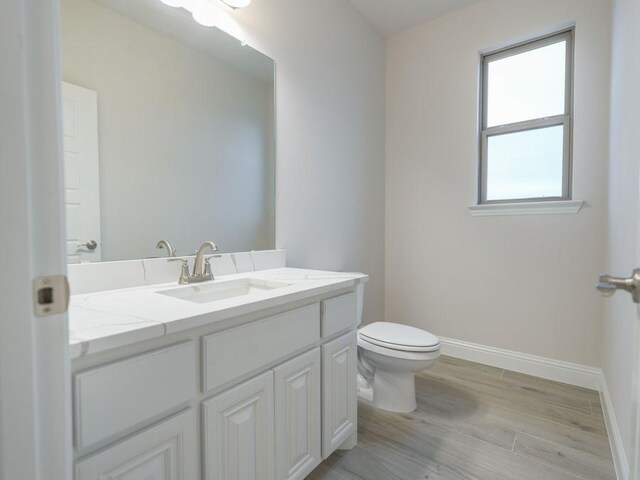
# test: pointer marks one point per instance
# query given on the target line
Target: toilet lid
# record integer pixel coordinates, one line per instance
(399, 337)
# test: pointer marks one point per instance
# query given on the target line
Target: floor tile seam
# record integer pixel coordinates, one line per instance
(426, 466)
(529, 415)
(515, 381)
(552, 467)
(538, 416)
(509, 452)
(486, 442)
(537, 437)
(587, 402)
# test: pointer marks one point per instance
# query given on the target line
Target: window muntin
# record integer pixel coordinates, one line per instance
(526, 121)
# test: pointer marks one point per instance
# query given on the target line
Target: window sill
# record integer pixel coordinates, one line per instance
(527, 208)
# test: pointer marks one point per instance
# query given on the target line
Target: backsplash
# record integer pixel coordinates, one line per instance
(95, 277)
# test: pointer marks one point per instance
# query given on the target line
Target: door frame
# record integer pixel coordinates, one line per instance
(635, 383)
(35, 378)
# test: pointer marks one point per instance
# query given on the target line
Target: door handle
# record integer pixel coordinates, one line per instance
(607, 285)
(90, 245)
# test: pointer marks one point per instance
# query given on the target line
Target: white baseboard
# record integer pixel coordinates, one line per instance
(560, 371)
(615, 440)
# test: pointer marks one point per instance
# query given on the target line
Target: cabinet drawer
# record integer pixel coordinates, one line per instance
(339, 313)
(166, 451)
(114, 398)
(239, 351)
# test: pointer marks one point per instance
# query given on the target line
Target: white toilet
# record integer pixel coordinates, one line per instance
(389, 355)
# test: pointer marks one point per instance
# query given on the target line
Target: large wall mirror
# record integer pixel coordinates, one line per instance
(168, 133)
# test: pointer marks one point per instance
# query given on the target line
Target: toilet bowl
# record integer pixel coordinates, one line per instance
(389, 355)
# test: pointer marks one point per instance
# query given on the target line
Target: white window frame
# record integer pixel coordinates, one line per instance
(565, 119)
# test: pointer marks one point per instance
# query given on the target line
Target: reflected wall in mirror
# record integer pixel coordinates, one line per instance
(168, 133)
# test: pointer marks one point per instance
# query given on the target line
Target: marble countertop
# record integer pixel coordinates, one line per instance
(102, 321)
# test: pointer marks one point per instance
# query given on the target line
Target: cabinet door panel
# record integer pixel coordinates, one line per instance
(238, 436)
(339, 383)
(298, 429)
(164, 452)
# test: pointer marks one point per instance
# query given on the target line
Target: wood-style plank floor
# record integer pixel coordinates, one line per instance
(479, 422)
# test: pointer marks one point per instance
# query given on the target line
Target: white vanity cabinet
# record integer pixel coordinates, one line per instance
(120, 396)
(238, 432)
(166, 451)
(339, 392)
(276, 395)
(298, 416)
(240, 425)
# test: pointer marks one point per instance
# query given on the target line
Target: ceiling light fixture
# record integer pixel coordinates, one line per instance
(207, 17)
(237, 3)
(214, 13)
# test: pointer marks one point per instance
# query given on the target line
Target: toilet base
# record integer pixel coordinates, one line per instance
(391, 392)
(394, 392)
(365, 390)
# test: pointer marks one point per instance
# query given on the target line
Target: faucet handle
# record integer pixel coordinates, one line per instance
(207, 265)
(178, 259)
(184, 271)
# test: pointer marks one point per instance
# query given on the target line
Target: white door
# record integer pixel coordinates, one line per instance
(238, 432)
(82, 176)
(339, 395)
(631, 148)
(166, 451)
(622, 334)
(298, 430)
(35, 377)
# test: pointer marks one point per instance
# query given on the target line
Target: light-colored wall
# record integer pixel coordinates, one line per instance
(524, 283)
(330, 135)
(184, 139)
(622, 246)
(330, 143)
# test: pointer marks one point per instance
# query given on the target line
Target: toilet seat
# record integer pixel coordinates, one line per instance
(399, 337)
(395, 353)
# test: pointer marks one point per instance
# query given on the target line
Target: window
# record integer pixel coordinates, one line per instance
(526, 122)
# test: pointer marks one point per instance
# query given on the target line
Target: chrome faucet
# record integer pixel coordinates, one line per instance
(171, 252)
(201, 266)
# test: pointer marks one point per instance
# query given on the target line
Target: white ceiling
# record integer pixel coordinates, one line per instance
(392, 16)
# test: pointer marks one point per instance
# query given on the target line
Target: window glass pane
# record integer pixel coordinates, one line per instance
(527, 85)
(525, 164)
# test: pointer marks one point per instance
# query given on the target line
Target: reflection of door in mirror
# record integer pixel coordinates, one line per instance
(82, 185)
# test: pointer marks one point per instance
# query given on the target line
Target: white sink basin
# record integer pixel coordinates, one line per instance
(215, 291)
